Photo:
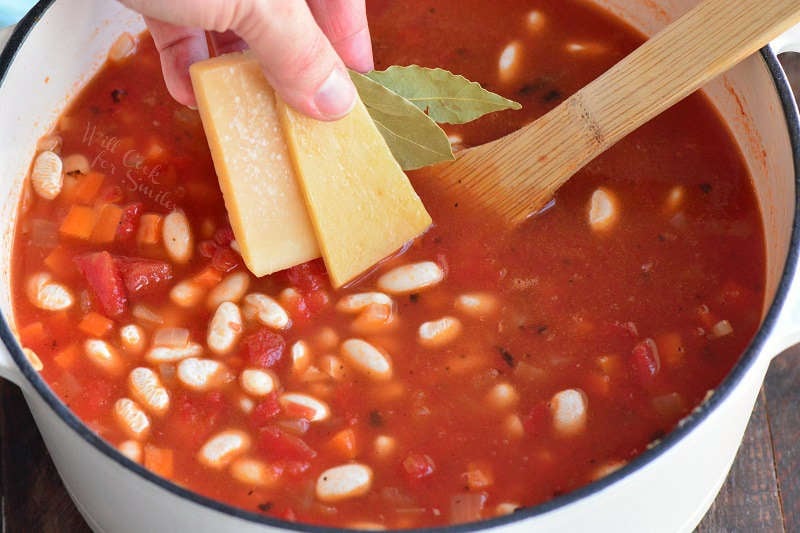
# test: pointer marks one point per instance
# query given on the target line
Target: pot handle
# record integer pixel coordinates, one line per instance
(788, 42)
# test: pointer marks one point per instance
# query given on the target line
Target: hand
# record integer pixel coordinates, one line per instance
(303, 46)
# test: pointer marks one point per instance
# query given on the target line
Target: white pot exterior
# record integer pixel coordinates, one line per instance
(667, 489)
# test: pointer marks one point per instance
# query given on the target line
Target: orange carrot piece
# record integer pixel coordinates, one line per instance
(69, 190)
(79, 222)
(96, 325)
(208, 277)
(60, 263)
(159, 460)
(670, 348)
(33, 335)
(344, 444)
(66, 358)
(106, 228)
(88, 186)
(149, 229)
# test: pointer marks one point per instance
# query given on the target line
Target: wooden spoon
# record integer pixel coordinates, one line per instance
(518, 174)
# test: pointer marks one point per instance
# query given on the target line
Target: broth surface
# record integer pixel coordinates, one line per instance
(576, 344)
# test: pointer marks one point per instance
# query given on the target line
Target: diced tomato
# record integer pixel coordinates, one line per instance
(264, 348)
(293, 468)
(225, 259)
(296, 410)
(207, 248)
(110, 194)
(223, 236)
(308, 277)
(418, 466)
(645, 361)
(143, 276)
(280, 445)
(196, 416)
(265, 411)
(537, 420)
(129, 221)
(105, 281)
(316, 301)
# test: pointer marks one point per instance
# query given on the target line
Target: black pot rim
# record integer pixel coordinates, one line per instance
(687, 425)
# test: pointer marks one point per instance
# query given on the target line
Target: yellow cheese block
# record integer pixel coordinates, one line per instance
(265, 206)
(361, 203)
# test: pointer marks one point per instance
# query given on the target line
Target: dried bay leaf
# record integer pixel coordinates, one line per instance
(446, 97)
(413, 137)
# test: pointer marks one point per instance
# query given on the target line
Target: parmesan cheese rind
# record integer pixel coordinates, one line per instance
(262, 196)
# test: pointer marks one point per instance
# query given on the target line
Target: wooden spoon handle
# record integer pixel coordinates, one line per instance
(518, 174)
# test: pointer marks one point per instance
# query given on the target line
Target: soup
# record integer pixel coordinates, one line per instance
(478, 371)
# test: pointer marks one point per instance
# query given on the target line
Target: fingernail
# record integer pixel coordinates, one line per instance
(336, 96)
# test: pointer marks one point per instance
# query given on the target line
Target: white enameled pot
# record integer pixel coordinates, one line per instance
(61, 43)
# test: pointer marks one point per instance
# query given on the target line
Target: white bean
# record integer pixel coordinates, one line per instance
(186, 294)
(355, 303)
(223, 448)
(384, 446)
(246, 405)
(230, 289)
(202, 374)
(258, 382)
(513, 426)
(146, 388)
(319, 409)
(367, 359)
(177, 236)
(76, 164)
(253, 472)
(266, 310)
(675, 199)
(502, 396)
(509, 63)
(132, 339)
(301, 357)
(603, 209)
(344, 482)
(47, 176)
(131, 449)
(225, 328)
(131, 418)
(569, 411)
(374, 319)
(33, 359)
(506, 508)
(124, 46)
(48, 295)
(103, 355)
(165, 354)
(535, 20)
(476, 304)
(437, 333)
(411, 278)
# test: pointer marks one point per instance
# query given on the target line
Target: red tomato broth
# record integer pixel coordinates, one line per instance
(575, 305)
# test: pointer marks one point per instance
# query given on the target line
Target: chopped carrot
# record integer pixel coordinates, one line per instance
(478, 475)
(60, 263)
(106, 228)
(149, 229)
(79, 222)
(344, 444)
(208, 277)
(69, 190)
(88, 186)
(66, 358)
(96, 325)
(159, 460)
(670, 348)
(33, 335)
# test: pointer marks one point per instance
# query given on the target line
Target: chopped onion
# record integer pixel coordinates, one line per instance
(143, 312)
(44, 233)
(467, 507)
(171, 337)
(722, 328)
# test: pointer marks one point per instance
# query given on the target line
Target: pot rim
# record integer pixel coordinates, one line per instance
(685, 426)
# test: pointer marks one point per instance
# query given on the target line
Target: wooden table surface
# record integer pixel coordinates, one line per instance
(762, 493)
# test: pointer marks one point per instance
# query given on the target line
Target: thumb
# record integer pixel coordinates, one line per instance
(298, 59)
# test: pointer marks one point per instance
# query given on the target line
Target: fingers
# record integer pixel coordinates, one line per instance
(296, 55)
(298, 59)
(179, 47)
(344, 22)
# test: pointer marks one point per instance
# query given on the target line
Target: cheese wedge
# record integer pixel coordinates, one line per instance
(361, 203)
(265, 206)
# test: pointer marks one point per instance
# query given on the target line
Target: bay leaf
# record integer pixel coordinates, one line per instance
(413, 137)
(446, 97)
